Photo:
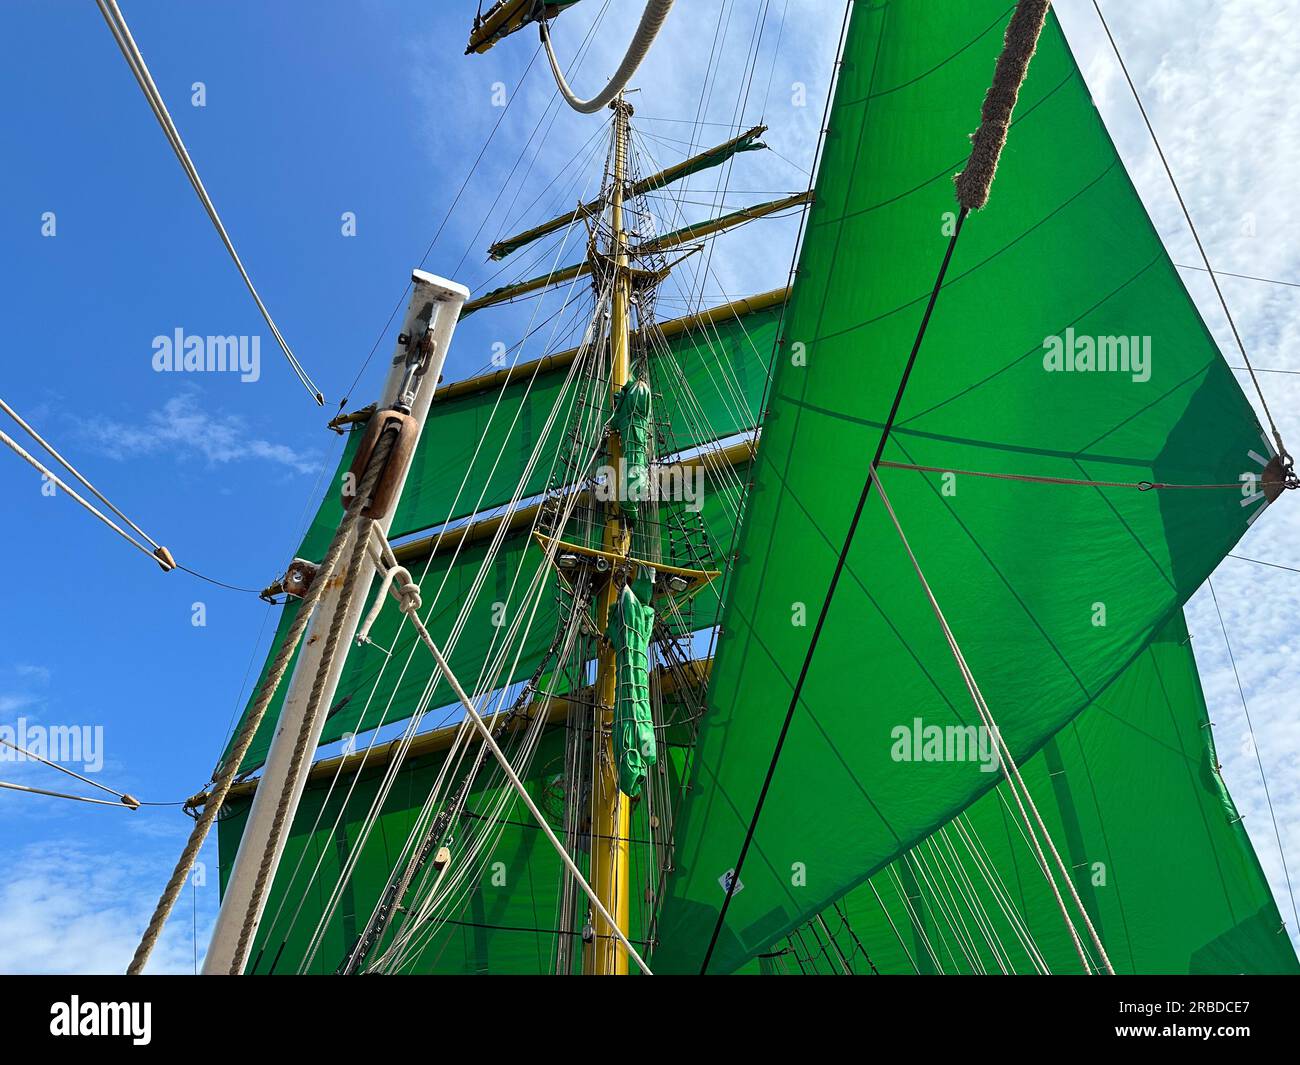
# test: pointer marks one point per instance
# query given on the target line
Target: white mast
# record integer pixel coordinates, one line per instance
(434, 308)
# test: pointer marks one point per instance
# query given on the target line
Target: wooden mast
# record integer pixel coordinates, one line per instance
(610, 809)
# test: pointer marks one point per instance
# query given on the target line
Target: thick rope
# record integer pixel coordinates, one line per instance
(987, 142)
(135, 60)
(303, 744)
(652, 20)
(244, 740)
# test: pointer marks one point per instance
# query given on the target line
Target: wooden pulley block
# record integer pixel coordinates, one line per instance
(384, 494)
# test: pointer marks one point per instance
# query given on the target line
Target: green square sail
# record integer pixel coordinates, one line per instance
(1131, 792)
(378, 686)
(476, 446)
(1051, 590)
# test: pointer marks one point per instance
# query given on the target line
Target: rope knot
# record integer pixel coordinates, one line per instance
(409, 596)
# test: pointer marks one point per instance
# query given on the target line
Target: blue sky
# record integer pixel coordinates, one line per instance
(371, 108)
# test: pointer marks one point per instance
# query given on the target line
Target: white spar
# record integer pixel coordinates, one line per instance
(447, 298)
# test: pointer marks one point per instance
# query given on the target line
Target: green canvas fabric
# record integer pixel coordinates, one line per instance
(1050, 590)
(374, 686)
(1131, 793)
(503, 920)
(630, 625)
(719, 369)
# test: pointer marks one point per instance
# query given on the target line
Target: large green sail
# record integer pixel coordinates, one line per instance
(1132, 793)
(1051, 589)
(713, 374)
(504, 912)
(383, 681)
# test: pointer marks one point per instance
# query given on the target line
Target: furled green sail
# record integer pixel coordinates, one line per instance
(632, 423)
(630, 625)
(1131, 791)
(1050, 589)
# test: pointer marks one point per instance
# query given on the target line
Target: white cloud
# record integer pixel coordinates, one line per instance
(1212, 74)
(181, 428)
(65, 910)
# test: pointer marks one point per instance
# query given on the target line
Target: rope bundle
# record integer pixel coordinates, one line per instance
(1018, 48)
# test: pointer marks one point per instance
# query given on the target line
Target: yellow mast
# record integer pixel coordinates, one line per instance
(610, 809)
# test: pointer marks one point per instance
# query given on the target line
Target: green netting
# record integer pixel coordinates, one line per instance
(713, 375)
(630, 625)
(1050, 590)
(1132, 796)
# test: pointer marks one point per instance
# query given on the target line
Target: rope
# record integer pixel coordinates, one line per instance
(522, 791)
(1205, 258)
(1258, 562)
(64, 795)
(244, 740)
(126, 800)
(1244, 277)
(987, 142)
(135, 60)
(75, 473)
(159, 554)
(18, 450)
(1006, 757)
(1263, 779)
(1141, 486)
(395, 762)
(652, 20)
(309, 718)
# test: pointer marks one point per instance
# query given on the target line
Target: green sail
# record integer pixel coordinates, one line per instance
(721, 365)
(1131, 792)
(505, 913)
(1051, 590)
(376, 688)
